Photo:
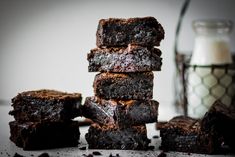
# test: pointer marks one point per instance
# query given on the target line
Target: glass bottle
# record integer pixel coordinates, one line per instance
(207, 82)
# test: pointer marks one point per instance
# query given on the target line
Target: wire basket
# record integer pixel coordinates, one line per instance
(221, 76)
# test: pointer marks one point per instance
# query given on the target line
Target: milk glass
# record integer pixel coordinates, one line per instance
(207, 84)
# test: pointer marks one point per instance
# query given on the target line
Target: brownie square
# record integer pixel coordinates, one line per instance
(184, 134)
(124, 59)
(114, 32)
(46, 105)
(44, 135)
(113, 137)
(220, 118)
(120, 112)
(124, 85)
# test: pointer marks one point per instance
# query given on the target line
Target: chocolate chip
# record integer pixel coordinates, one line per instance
(151, 147)
(155, 136)
(44, 155)
(117, 155)
(96, 153)
(17, 155)
(82, 148)
(89, 155)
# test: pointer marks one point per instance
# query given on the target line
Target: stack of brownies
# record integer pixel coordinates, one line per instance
(126, 56)
(43, 119)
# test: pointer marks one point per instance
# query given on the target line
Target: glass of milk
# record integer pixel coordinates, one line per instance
(208, 78)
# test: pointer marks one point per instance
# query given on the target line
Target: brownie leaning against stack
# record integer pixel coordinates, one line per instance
(126, 56)
(207, 135)
(43, 119)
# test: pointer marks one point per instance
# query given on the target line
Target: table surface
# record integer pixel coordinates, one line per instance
(8, 148)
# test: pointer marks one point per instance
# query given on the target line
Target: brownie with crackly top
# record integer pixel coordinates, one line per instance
(113, 137)
(184, 134)
(46, 105)
(114, 32)
(124, 85)
(120, 112)
(133, 58)
(44, 135)
(220, 118)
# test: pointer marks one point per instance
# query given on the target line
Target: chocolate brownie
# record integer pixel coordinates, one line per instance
(220, 118)
(113, 32)
(46, 105)
(126, 59)
(113, 137)
(120, 112)
(124, 85)
(184, 134)
(44, 135)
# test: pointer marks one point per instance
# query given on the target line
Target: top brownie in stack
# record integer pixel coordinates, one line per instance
(113, 32)
(45, 105)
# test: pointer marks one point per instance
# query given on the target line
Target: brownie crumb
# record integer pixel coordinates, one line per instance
(82, 148)
(44, 155)
(151, 147)
(89, 155)
(155, 136)
(117, 155)
(17, 155)
(96, 153)
(162, 154)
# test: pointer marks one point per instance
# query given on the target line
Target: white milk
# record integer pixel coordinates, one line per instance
(211, 50)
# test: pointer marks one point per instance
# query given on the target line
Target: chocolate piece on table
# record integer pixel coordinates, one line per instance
(124, 59)
(124, 85)
(113, 137)
(120, 112)
(44, 135)
(184, 134)
(46, 105)
(114, 32)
